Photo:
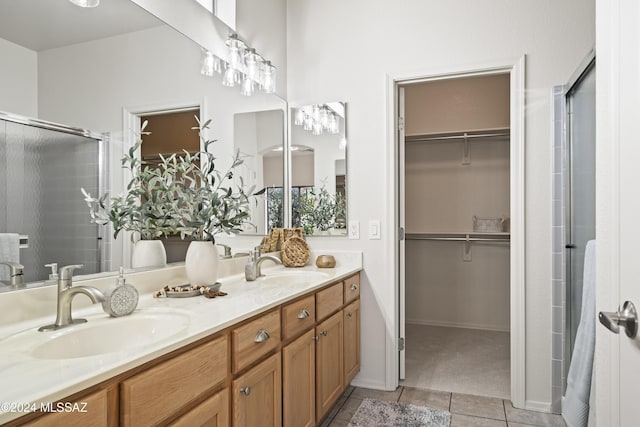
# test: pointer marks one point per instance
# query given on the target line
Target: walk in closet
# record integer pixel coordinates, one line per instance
(456, 213)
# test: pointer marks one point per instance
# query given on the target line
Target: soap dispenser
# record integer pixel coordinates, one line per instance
(120, 299)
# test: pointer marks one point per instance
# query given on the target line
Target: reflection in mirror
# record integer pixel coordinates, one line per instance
(260, 137)
(85, 67)
(318, 168)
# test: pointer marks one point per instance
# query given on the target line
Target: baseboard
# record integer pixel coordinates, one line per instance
(532, 405)
(364, 383)
(456, 325)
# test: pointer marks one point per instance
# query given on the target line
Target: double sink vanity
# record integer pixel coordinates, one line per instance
(279, 350)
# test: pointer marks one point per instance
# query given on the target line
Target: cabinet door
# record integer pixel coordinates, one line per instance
(257, 395)
(90, 411)
(213, 412)
(329, 364)
(351, 341)
(298, 381)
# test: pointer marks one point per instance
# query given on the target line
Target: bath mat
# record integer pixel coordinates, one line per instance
(373, 412)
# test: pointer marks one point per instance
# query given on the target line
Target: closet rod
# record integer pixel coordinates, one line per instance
(419, 138)
(460, 239)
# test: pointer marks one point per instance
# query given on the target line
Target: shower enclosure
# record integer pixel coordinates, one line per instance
(579, 191)
(42, 168)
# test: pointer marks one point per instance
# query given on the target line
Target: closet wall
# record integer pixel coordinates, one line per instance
(443, 195)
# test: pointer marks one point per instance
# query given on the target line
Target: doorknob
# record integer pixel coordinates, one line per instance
(627, 318)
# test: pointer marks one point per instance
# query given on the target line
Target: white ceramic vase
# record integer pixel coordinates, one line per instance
(148, 253)
(201, 263)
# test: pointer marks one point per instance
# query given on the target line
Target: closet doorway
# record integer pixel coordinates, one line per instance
(456, 213)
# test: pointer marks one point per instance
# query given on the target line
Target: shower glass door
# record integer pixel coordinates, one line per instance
(581, 141)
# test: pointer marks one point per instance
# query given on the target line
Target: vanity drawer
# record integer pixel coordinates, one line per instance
(255, 339)
(351, 288)
(298, 316)
(328, 300)
(151, 396)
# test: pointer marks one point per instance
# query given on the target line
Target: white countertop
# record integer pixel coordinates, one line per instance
(26, 379)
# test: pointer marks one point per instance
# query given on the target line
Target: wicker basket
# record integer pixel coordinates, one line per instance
(295, 252)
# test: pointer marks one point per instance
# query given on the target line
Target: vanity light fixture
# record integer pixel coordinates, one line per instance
(86, 3)
(317, 119)
(244, 66)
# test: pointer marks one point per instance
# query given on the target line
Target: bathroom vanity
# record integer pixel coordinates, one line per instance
(276, 351)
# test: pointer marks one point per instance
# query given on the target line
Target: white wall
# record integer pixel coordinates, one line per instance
(344, 50)
(18, 79)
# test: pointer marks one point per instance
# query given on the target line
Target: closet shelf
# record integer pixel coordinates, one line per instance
(472, 134)
(461, 237)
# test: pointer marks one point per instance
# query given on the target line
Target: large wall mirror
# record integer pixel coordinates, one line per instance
(101, 69)
(318, 148)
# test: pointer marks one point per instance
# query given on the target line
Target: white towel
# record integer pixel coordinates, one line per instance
(575, 405)
(9, 251)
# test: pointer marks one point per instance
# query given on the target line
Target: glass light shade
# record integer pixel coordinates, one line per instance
(86, 3)
(207, 61)
(269, 78)
(252, 60)
(230, 77)
(248, 86)
(324, 117)
(308, 122)
(317, 128)
(235, 49)
(334, 126)
(299, 117)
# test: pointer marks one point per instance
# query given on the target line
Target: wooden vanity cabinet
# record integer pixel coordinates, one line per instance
(299, 381)
(329, 363)
(93, 411)
(351, 318)
(257, 395)
(213, 412)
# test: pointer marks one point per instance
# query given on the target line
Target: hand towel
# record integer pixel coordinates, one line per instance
(575, 405)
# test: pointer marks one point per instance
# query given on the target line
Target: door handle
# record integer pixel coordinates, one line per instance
(627, 318)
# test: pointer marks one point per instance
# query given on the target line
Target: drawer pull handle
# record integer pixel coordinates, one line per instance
(303, 314)
(354, 287)
(246, 390)
(315, 338)
(349, 314)
(261, 336)
(324, 333)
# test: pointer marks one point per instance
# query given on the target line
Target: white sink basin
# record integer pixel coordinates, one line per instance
(280, 277)
(100, 335)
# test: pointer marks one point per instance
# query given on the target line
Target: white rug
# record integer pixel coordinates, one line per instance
(376, 413)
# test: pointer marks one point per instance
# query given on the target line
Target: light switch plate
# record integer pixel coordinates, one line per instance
(354, 230)
(374, 229)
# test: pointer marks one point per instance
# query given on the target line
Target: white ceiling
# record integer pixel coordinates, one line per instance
(47, 24)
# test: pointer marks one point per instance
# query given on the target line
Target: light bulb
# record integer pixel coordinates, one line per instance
(207, 63)
(334, 126)
(248, 86)
(230, 78)
(299, 117)
(269, 78)
(252, 60)
(235, 48)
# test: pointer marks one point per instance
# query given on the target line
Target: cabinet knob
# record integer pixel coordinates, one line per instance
(349, 314)
(261, 336)
(315, 338)
(354, 287)
(303, 314)
(324, 333)
(245, 390)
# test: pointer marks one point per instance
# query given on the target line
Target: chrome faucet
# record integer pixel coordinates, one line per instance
(227, 251)
(252, 267)
(66, 292)
(16, 273)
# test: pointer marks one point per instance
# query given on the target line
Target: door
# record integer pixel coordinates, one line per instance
(618, 205)
(298, 381)
(329, 364)
(257, 395)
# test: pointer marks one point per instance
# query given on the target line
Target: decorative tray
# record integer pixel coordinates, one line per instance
(187, 291)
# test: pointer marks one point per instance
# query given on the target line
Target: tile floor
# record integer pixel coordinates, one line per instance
(466, 410)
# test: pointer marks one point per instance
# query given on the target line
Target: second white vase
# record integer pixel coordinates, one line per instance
(201, 263)
(148, 253)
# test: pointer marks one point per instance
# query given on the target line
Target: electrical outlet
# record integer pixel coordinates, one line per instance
(374, 229)
(354, 230)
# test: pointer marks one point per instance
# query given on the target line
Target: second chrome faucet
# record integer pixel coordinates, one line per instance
(252, 267)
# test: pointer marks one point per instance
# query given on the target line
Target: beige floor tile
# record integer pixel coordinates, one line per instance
(348, 409)
(430, 398)
(458, 420)
(479, 406)
(389, 396)
(339, 423)
(531, 417)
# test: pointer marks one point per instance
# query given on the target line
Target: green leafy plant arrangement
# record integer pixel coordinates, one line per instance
(318, 210)
(182, 194)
